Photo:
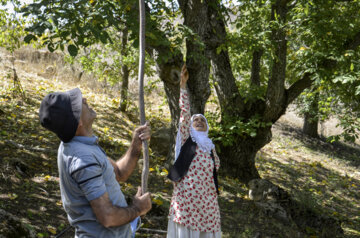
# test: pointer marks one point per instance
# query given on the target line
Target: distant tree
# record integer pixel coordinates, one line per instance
(311, 115)
(338, 97)
(125, 72)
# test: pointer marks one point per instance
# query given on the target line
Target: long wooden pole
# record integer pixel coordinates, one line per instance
(145, 171)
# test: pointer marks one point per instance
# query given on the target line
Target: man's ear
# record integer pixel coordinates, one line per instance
(80, 123)
(79, 128)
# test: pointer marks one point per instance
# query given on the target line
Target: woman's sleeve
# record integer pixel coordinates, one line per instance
(184, 123)
(217, 160)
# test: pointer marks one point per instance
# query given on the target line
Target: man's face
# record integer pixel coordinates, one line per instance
(199, 123)
(88, 115)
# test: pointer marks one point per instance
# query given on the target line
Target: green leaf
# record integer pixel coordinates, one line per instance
(151, 35)
(40, 235)
(352, 67)
(306, 10)
(64, 34)
(51, 47)
(357, 92)
(103, 37)
(29, 37)
(73, 50)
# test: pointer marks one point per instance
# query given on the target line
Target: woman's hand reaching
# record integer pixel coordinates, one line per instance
(184, 77)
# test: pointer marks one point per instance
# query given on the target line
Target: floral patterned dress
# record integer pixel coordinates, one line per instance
(194, 203)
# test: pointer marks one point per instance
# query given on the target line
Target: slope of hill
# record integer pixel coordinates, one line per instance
(322, 176)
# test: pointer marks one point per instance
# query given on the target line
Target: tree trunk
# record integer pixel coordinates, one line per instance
(276, 93)
(311, 120)
(238, 160)
(125, 72)
(310, 126)
(124, 88)
(170, 76)
(197, 60)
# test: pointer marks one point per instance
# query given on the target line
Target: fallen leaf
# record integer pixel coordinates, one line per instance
(51, 229)
(47, 177)
(158, 202)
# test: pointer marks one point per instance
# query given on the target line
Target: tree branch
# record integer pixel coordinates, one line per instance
(297, 88)
(300, 85)
(276, 86)
(230, 99)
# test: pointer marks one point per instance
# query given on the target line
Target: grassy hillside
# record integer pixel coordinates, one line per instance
(322, 176)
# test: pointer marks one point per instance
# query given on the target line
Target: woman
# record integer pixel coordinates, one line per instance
(194, 210)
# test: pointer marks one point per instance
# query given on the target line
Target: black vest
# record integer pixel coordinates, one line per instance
(182, 164)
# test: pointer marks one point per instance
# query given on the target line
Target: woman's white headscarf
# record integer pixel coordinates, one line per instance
(199, 137)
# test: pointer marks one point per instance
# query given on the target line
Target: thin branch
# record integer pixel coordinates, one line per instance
(152, 230)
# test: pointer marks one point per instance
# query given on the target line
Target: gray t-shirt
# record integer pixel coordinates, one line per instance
(86, 174)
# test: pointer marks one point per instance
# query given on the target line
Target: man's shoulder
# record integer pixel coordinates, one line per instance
(79, 155)
(77, 149)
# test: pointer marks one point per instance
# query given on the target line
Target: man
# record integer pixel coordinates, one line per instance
(90, 191)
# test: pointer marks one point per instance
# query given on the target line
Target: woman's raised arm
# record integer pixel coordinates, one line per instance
(184, 77)
(184, 104)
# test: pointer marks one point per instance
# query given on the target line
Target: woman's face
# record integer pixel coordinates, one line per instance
(199, 123)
